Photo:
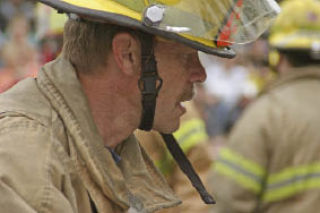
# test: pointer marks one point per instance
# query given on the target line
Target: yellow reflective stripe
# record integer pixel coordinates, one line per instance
(241, 179)
(247, 173)
(292, 181)
(246, 164)
(287, 191)
(293, 172)
(165, 166)
(105, 6)
(190, 133)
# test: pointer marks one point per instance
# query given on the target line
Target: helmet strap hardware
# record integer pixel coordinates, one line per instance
(153, 15)
(149, 83)
(186, 167)
(74, 16)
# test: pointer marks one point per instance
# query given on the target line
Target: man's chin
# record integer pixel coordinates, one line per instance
(167, 129)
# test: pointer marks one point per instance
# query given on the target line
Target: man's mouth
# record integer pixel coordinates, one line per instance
(185, 98)
(182, 107)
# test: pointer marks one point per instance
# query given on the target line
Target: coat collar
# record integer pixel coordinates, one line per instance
(309, 72)
(134, 178)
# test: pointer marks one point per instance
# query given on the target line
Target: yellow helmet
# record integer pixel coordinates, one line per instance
(297, 27)
(210, 26)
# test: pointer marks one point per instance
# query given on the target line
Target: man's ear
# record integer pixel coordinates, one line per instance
(126, 51)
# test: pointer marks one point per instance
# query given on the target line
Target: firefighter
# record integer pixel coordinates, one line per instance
(66, 137)
(271, 162)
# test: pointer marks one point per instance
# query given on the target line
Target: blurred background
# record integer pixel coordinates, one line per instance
(30, 35)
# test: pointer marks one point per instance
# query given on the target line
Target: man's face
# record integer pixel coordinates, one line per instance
(179, 67)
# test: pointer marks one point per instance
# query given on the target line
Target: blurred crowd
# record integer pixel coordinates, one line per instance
(231, 85)
(30, 35)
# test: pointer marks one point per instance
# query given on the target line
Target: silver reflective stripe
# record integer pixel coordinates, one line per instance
(242, 171)
(291, 181)
(245, 172)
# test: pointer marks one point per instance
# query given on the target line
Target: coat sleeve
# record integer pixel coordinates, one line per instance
(240, 170)
(29, 179)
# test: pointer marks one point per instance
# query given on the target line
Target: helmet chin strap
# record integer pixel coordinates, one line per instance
(149, 85)
(186, 167)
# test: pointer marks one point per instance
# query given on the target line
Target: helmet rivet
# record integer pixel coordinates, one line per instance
(154, 15)
(74, 16)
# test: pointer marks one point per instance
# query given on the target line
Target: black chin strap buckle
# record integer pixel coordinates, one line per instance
(150, 84)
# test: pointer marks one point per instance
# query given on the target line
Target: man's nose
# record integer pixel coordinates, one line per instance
(198, 73)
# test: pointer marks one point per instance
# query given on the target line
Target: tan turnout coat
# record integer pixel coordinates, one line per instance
(52, 157)
(272, 160)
